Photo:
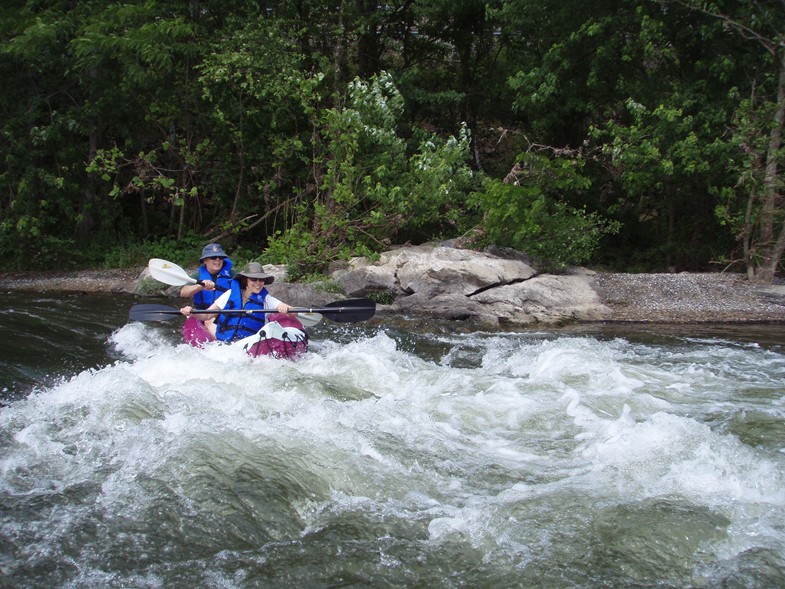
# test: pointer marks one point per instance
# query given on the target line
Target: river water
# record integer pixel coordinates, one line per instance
(395, 454)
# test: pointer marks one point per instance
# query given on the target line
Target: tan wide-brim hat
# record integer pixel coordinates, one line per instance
(255, 270)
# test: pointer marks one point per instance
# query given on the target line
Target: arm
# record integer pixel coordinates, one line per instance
(190, 290)
(270, 302)
(217, 306)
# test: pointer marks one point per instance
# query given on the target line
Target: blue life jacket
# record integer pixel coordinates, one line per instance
(230, 327)
(223, 282)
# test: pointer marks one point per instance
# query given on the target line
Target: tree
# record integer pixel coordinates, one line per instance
(93, 81)
(260, 95)
(661, 159)
(135, 120)
(644, 89)
(759, 219)
(372, 184)
(527, 211)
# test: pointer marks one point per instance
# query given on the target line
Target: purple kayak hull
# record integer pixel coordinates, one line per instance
(195, 334)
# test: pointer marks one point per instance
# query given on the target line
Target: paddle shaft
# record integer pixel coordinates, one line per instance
(291, 310)
(340, 311)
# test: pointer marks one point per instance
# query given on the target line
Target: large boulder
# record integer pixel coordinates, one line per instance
(545, 299)
(464, 284)
(429, 270)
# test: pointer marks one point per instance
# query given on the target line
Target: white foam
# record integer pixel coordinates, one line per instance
(505, 453)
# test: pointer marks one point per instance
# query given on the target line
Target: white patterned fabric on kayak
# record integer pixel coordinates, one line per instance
(282, 336)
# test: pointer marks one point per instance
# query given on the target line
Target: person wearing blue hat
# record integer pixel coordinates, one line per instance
(214, 277)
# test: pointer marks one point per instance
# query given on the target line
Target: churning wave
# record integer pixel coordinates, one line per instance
(386, 459)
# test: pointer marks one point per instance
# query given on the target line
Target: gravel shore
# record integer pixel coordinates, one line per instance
(649, 298)
(77, 281)
(690, 298)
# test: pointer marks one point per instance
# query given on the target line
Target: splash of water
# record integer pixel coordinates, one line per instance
(533, 460)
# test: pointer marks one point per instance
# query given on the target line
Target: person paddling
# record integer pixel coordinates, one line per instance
(214, 277)
(247, 291)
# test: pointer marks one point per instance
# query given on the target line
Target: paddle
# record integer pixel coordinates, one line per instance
(347, 311)
(169, 273)
(165, 313)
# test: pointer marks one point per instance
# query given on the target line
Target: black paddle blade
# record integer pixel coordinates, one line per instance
(349, 311)
(153, 313)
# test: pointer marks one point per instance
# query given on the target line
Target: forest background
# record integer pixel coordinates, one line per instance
(628, 135)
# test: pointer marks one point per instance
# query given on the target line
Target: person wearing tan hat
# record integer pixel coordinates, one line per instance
(247, 292)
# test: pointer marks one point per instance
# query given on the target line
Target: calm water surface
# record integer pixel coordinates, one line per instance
(395, 454)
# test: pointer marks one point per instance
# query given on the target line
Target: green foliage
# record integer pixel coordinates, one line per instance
(260, 94)
(330, 133)
(28, 250)
(738, 207)
(322, 282)
(665, 165)
(372, 186)
(43, 253)
(752, 210)
(150, 173)
(440, 181)
(530, 214)
(657, 150)
(183, 251)
(382, 298)
(292, 249)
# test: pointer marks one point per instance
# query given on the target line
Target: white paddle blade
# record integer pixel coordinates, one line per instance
(169, 273)
(309, 319)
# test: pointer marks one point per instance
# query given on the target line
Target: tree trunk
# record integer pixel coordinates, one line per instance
(368, 49)
(339, 51)
(87, 209)
(145, 222)
(772, 226)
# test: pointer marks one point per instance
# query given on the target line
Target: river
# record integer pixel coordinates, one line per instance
(394, 454)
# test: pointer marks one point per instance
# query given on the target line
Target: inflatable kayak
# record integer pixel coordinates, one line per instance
(283, 336)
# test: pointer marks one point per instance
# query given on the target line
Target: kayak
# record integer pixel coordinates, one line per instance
(283, 336)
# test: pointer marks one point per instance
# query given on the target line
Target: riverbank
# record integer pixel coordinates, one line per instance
(86, 281)
(647, 298)
(690, 298)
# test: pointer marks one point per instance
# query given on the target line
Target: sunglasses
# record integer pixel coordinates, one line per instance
(256, 280)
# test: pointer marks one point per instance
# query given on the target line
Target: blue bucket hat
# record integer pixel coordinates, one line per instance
(211, 250)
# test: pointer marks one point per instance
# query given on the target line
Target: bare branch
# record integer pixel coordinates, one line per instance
(771, 44)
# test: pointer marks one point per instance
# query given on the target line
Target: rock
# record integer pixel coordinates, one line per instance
(545, 299)
(454, 283)
(279, 271)
(428, 271)
(446, 270)
(302, 295)
(446, 306)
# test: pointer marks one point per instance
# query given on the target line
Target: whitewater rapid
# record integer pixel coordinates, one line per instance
(391, 459)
